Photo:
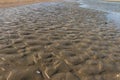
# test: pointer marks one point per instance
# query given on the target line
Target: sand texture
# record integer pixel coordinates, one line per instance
(12, 3)
(57, 41)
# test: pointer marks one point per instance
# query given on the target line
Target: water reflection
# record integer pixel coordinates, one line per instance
(112, 8)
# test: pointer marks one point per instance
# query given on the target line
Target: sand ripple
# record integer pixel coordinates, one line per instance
(59, 41)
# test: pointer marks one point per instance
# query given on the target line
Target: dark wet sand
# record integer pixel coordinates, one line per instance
(57, 41)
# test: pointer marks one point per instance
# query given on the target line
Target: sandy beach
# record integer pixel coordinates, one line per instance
(13, 3)
(58, 41)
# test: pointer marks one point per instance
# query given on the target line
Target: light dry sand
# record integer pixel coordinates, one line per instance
(57, 41)
(11, 3)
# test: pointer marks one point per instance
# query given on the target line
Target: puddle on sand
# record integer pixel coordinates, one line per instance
(112, 10)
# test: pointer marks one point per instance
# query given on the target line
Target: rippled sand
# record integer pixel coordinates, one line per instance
(58, 41)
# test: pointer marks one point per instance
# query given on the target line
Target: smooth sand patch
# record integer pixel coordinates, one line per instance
(9, 3)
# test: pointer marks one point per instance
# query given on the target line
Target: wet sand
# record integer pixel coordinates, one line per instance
(111, 8)
(58, 41)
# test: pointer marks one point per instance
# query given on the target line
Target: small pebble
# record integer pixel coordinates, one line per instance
(118, 75)
(38, 72)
